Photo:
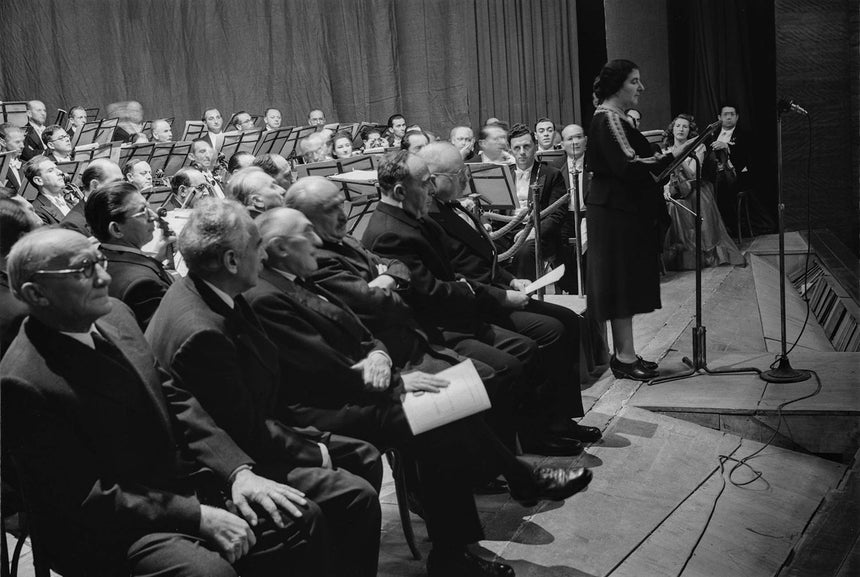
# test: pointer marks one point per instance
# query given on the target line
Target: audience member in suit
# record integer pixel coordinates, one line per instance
(120, 218)
(99, 172)
(37, 114)
(445, 300)
(339, 377)
(50, 203)
(727, 164)
(12, 140)
(207, 335)
(464, 139)
(255, 190)
(113, 483)
(161, 131)
(58, 144)
(17, 218)
(531, 175)
(556, 329)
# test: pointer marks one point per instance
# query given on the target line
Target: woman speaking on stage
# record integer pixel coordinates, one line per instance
(626, 214)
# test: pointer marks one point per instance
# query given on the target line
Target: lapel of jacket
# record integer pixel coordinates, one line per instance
(355, 257)
(138, 259)
(455, 226)
(48, 206)
(244, 327)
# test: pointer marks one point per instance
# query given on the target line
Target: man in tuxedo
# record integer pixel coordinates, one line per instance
(316, 117)
(532, 176)
(122, 472)
(243, 121)
(493, 144)
(214, 127)
(58, 144)
(544, 134)
(727, 164)
(396, 129)
(556, 329)
(443, 299)
(12, 140)
(272, 119)
(205, 333)
(573, 142)
(77, 119)
(161, 131)
(98, 173)
(203, 157)
(50, 204)
(277, 167)
(37, 114)
(339, 377)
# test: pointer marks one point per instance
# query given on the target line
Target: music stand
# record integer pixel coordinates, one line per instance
(324, 168)
(61, 116)
(95, 132)
(158, 195)
(360, 190)
(169, 157)
(194, 129)
(359, 162)
(92, 151)
(129, 152)
(5, 161)
(14, 112)
(240, 141)
(552, 156)
(28, 190)
(493, 186)
(297, 135)
(272, 141)
(75, 169)
(699, 364)
(92, 114)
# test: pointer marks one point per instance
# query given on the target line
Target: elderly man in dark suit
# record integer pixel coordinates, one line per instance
(337, 376)
(213, 344)
(122, 473)
(37, 114)
(556, 329)
(121, 219)
(99, 172)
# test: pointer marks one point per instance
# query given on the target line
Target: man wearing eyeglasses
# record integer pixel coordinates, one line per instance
(58, 144)
(189, 185)
(115, 483)
(49, 204)
(121, 219)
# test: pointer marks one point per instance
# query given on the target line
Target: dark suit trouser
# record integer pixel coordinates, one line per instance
(450, 460)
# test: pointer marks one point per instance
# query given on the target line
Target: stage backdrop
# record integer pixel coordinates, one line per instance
(439, 62)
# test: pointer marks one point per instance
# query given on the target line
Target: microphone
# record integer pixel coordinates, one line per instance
(786, 105)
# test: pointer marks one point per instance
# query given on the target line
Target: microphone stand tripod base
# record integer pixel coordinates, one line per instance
(784, 373)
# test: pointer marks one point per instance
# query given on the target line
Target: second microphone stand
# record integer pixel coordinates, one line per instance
(698, 365)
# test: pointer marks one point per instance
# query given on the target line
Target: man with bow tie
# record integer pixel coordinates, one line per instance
(727, 164)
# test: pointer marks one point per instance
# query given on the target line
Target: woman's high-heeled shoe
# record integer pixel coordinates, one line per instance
(635, 370)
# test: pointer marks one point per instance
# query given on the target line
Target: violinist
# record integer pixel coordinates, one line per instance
(204, 158)
(139, 173)
(121, 219)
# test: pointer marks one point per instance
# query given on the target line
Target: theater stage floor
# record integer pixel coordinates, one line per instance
(665, 499)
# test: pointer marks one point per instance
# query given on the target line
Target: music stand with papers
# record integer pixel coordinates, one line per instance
(194, 129)
(324, 168)
(95, 132)
(698, 364)
(296, 136)
(551, 156)
(129, 152)
(109, 150)
(360, 190)
(273, 141)
(240, 141)
(169, 157)
(14, 112)
(493, 186)
(75, 169)
(5, 161)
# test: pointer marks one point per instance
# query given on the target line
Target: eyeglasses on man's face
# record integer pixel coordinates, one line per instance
(86, 269)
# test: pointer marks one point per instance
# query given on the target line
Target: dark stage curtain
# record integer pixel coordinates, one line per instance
(439, 62)
(724, 50)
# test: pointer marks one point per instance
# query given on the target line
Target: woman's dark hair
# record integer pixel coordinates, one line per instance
(105, 206)
(669, 133)
(611, 78)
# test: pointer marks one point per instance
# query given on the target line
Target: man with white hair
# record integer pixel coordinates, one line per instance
(255, 190)
(161, 131)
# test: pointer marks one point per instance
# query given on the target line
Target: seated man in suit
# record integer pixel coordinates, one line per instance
(77, 119)
(396, 129)
(316, 117)
(50, 203)
(123, 473)
(243, 121)
(58, 143)
(444, 300)
(161, 131)
(255, 190)
(275, 166)
(37, 114)
(493, 145)
(121, 219)
(203, 157)
(214, 127)
(338, 377)
(534, 175)
(99, 172)
(464, 139)
(190, 183)
(544, 134)
(12, 140)
(272, 119)
(207, 336)
(139, 173)
(555, 328)
(17, 218)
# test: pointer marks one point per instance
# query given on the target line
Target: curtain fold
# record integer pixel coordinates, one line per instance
(439, 62)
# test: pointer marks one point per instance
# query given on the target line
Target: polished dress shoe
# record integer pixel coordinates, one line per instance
(464, 564)
(492, 487)
(551, 446)
(582, 433)
(552, 483)
(650, 365)
(635, 370)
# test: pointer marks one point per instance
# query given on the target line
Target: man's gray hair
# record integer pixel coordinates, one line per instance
(31, 253)
(240, 186)
(214, 227)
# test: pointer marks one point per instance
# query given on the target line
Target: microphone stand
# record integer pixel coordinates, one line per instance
(699, 364)
(577, 227)
(783, 373)
(536, 192)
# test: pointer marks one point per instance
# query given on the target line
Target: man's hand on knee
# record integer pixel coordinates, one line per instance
(228, 533)
(251, 489)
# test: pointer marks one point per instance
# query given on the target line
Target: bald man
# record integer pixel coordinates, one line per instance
(36, 116)
(125, 473)
(161, 131)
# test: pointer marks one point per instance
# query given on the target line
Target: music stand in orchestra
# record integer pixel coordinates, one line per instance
(272, 141)
(699, 363)
(324, 168)
(95, 132)
(109, 150)
(129, 152)
(160, 196)
(169, 157)
(146, 128)
(194, 129)
(551, 156)
(240, 141)
(14, 112)
(360, 189)
(92, 114)
(61, 116)
(28, 190)
(5, 161)
(75, 169)
(493, 186)
(297, 135)
(358, 162)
